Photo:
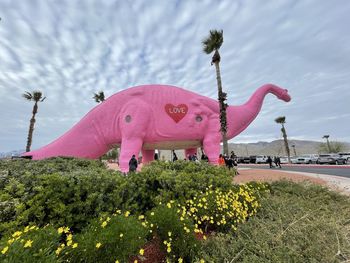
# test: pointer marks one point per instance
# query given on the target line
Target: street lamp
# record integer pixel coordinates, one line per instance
(328, 146)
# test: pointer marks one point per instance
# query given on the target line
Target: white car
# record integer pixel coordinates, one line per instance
(307, 159)
(284, 159)
(346, 156)
(261, 159)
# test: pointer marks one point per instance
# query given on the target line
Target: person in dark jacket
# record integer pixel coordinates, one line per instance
(278, 162)
(132, 164)
(174, 156)
(269, 161)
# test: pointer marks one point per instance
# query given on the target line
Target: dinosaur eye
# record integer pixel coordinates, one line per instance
(127, 118)
(199, 118)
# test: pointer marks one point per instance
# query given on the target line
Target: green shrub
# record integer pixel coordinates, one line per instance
(68, 191)
(71, 197)
(30, 245)
(219, 210)
(177, 236)
(106, 240)
(295, 223)
(180, 180)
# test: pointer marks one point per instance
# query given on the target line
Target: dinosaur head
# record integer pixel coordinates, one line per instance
(282, 94)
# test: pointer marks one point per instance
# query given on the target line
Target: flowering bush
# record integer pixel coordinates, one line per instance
(107, 239)
(177, 236)
(30, 244)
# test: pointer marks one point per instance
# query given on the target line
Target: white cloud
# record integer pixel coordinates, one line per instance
(71, 49)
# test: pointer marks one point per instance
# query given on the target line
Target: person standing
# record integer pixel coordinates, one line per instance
(235, 164)
(174, 156)
(132, 164)
(269, 161)
(221, 160)
(278, 162)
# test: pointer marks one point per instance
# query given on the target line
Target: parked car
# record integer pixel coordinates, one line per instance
(307, 159)
(243, 159)
(345, 155)
(294, 159)
(331, 159)
(284, 159)
(252, 158)
(261, 159)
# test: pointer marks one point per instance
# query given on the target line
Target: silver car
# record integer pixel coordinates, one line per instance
(331, 159)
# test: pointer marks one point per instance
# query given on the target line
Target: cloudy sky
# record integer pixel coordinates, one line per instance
(71, 49)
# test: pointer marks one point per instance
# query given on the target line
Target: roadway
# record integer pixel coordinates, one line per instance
(337, 170)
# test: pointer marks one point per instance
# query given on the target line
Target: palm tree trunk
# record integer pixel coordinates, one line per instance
(223, 119)
(286, 142)
(31, 127)
(329, 146)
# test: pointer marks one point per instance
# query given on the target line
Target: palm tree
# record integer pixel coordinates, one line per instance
(328, 145)
(99, 97)
(282, 120)
(213, 43)
(36, 96)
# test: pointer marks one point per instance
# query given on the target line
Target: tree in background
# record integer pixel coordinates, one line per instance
(37, 97)
(331, 147)
(213, 43)
(328, 145)
(282, 120)
(99, 97)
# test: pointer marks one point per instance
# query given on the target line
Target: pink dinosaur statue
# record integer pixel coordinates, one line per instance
(153, 117)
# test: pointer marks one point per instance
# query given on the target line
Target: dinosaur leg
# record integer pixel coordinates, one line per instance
(147, 156)
(133, 125)
(190, 151)
(129, 148)
(212, 149)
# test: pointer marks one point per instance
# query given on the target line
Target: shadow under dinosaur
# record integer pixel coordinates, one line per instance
(149, 117)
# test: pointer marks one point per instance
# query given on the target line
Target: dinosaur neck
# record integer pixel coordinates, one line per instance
(239, 117)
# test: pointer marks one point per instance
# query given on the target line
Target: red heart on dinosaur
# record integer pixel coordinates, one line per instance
(177, 113)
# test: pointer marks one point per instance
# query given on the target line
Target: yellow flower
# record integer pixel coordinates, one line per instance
(104, 224)
(58, 251)
(121, 235)
(142, 251)
(180, 260)
(168, 249)
(17, 234)
(108, 219)
(4, 250)
(141, 217)
(168, 205)
(69, 237)
(69, 242)
(152, 213)
(60, 230)
(98, 245)
(28, 243)
(127, 213)
(66, 229)
(169, 234)
(10, 241)
(135, 261)
(117, 261)
(202, 261)
(75, 245)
